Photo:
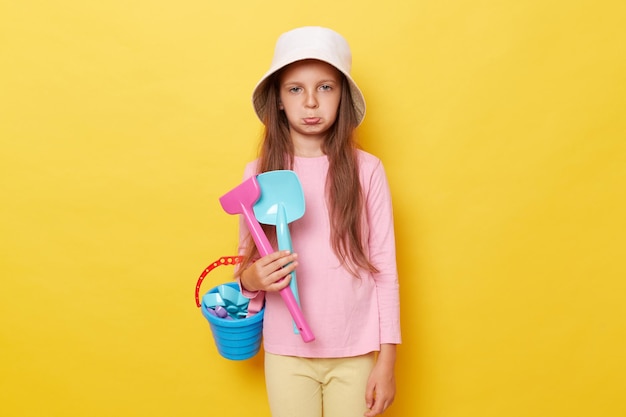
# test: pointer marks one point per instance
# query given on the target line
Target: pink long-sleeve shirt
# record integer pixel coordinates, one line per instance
(349, 316)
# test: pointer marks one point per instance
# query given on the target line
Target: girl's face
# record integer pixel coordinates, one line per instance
(310, 92)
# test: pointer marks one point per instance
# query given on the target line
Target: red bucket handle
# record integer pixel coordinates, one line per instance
(224, 260)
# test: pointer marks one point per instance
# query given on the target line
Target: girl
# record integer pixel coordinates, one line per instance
(345, 260)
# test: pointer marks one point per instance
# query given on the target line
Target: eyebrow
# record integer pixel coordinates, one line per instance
(325, 81)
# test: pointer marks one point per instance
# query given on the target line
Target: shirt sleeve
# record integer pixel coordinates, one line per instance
(382, 253)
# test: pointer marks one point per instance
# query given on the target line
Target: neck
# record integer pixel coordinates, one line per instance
(308, 147)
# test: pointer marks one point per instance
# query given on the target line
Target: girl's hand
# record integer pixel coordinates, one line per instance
(269, 272)
(381, 386)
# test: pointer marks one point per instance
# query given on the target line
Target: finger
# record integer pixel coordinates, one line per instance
(273, 257)
(281, 278)
(369, 400)
(370, 413)
(282, 283)
(378, 408)
(378, 405)
(369, 397)
(284, 262)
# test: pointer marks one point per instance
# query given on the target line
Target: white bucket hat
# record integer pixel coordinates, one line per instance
(310, 42)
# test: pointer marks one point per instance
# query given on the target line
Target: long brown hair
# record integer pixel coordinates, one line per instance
(343, 187)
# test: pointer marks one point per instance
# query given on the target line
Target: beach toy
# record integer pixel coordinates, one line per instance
(240, 200)
(227, 301)
(236, 336)
(281, 202)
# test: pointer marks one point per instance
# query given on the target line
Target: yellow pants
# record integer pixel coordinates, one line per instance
(313, 387)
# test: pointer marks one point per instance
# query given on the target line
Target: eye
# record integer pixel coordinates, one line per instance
(326, 87)
(295, 90)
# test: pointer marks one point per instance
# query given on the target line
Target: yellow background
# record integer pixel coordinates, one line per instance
(501, 125)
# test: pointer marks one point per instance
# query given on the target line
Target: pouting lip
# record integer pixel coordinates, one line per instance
(311, 120)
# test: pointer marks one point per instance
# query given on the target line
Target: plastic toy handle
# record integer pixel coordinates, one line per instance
(258, 235)
(296, 314)
(224, 260)
(284, 243)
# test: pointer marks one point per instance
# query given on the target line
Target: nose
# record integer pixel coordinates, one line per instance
(311, 100)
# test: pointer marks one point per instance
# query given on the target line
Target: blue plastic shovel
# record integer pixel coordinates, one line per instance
(281, 202)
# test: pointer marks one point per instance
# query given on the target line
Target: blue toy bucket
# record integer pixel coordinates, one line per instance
(236, 339)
